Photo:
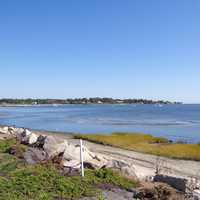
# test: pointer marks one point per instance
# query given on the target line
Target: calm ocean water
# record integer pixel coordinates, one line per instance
(173, 121)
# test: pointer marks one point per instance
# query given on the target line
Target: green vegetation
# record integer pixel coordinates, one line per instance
(95, 100)
(147, 144)
(5, 145)
(19, 181)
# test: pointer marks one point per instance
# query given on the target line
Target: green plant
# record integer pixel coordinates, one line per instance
(44, 182)
(5, 145)
(101, 197)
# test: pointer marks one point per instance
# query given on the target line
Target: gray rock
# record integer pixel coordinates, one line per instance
(71, 158)
(34, 156)
(53, 146)
(40, 142)
(32, 139)
(66, 171)
(118, 194)
(123, 167)
(113, 194)
(29, 138)
(19, 132)
(23, 135)
(72, 164)
(196, 194)
(12, 131)
(73, 153)
(4, 130)
(97, 162)
(177, 183)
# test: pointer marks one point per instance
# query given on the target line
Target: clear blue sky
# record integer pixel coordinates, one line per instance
(114, 48)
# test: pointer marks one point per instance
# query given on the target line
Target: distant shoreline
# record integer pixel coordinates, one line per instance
(38, 105)
(84, 101)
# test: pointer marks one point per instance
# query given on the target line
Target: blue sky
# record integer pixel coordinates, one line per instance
(114, 48)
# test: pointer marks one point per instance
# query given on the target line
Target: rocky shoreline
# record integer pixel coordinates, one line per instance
(63, 150)
(44, 147)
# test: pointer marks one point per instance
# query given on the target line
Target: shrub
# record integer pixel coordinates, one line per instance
(5, 145)
(42, 182)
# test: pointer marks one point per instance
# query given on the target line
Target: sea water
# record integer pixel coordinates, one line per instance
(176, 121)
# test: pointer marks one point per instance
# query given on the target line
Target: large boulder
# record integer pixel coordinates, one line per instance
(27, 137)
(33, 138)
(177, 183)
(54, 146)
(4, 130)
(97, 162)
(72, 164)
(196, 194)
(73, 153)
(17, 132)
(20, 131)
(123, 167)
(40, 142)
(34, 156)
(71, 158)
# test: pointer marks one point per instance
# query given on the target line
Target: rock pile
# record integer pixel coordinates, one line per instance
(49, 148)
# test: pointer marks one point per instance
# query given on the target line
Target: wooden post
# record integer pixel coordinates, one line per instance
(81, 158)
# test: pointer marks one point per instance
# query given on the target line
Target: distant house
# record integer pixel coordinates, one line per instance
(120, 101)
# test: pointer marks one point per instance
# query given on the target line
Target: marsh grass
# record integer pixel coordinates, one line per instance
(147, 144)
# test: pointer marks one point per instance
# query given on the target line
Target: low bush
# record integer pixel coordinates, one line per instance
(5, 145)
(19, 181)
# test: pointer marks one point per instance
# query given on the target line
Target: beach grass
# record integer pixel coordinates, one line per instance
(146, 143)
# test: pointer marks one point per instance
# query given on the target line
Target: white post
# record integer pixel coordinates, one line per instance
(81, 158)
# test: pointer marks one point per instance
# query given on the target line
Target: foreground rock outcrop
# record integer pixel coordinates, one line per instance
(43, 148)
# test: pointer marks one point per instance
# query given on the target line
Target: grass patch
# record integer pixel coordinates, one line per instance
(45, 183)
(5, 145)
(9, 163)
(147, 144)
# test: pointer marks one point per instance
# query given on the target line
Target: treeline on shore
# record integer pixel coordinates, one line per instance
(96, 100)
